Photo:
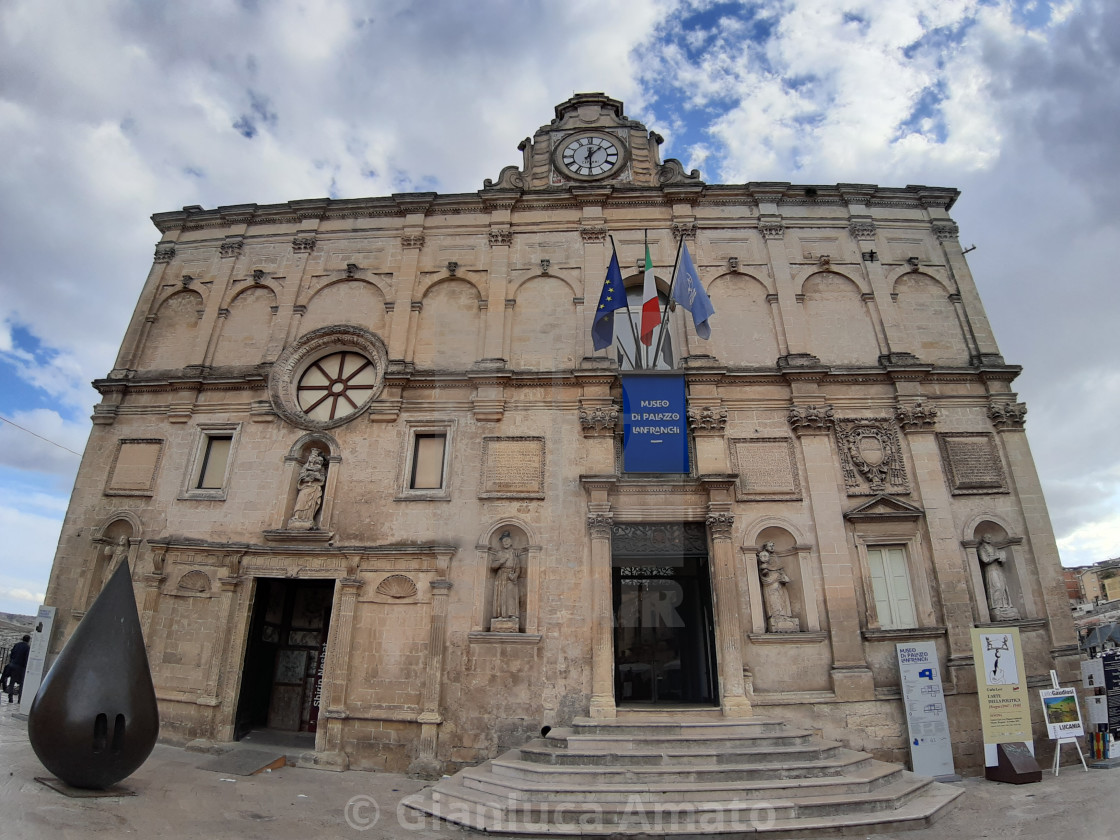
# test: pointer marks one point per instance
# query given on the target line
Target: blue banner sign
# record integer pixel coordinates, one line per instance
(654, 427)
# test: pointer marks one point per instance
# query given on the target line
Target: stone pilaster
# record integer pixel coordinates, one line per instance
(602, 624)
(726, 588)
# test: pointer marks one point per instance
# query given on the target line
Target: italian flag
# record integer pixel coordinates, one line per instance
(651, 311)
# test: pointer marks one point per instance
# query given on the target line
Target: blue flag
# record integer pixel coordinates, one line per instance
(613, 297)
(689, 292)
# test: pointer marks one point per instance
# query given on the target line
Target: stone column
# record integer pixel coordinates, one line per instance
(427, 764)
(1009, 418)
(602, 624)
(950, 565)
(725, 589)
(851, 678)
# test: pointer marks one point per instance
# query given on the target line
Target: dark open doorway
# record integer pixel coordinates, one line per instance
(663, 628)
(282, 679)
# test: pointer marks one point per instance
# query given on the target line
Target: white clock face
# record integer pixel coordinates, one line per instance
(590, 155)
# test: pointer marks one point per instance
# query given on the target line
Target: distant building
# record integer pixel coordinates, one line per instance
(369, 470)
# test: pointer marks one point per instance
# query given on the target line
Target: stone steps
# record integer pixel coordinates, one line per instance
(678, 775)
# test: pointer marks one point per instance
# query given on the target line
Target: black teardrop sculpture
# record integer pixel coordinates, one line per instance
(95, 719)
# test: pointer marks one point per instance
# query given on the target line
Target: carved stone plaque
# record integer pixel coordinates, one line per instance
(972, 463)
(133, 471)
(767, 469)
(512, 468)
(871, 457)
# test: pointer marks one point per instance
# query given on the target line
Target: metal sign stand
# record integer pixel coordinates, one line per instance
(1060, 741)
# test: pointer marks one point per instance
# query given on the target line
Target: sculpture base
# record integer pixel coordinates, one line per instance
(504, 625)
(784, 624)
(1005, 614)
(83, 793)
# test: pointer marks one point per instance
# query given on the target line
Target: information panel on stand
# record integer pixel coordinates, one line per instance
(654, 425)
(931, 745)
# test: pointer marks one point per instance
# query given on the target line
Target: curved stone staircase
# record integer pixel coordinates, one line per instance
(684, 774)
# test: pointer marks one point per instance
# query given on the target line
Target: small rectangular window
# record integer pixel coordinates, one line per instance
(890, 581)
(427, 462)
(214, 460)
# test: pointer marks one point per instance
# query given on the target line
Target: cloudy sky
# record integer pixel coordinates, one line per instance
(111, 110)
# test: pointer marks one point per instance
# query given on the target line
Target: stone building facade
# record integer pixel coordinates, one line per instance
(367, 467)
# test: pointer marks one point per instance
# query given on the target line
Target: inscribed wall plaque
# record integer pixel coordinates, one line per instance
(133, 471)
(767, 469)
(972, 463)
(512, 468)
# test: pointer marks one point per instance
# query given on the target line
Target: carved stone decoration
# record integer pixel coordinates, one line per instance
(412, 240)
(599, 419)
(945, 231)
(94, 720)
(663, 539)
(231, 247)
(309, 497)
(164, 253)
(733, 263)
(672, 172)
(593, 233)
(824, 261)
(194, 581)
(871, 457)
(452, 267)
(916, 416)
(684, 230)
(258, 276)
(303, 244)
(397, 586)
(510, 178)
(507, 563)
(772, 230)
(775, 598)
(546, 266)
(720, 524)
(599, 524)
(862, 230)
(1008, 415)
(499, 236)
(811, 419)
(118, 554)
(992, 560)
(707, 419)
(972, 463)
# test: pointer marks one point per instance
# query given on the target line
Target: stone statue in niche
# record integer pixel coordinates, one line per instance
(505, 562)
(775, 598)
(118, 553)
(995, 582)
(312, 476)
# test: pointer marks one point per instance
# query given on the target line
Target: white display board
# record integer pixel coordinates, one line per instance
(37, 658)
(1063, 717)
(931, 745)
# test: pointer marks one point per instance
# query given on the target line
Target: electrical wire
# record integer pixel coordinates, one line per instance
(48, 440)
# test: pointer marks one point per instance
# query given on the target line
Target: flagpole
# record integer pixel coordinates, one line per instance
(669, 299)
(629, 314)
(645, 270)
(624, 353)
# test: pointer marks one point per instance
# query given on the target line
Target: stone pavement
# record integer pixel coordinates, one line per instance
(176, 799)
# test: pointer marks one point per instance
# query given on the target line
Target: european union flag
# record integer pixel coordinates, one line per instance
(689, 292)
(613, 297)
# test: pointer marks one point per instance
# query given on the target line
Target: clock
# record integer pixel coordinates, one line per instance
(590, 155)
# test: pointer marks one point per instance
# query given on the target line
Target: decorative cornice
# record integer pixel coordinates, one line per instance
(707, 419)
(303, 244)
(945, 230)
(164, 253)
(412, 240)
(916, 417)
(593, 233)
(720, 524)
(1008, 415)
(811, 419)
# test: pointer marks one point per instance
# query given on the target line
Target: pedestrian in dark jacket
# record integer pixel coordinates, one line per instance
(17, 667)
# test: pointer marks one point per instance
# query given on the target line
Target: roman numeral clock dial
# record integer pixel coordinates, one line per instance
(590, 156)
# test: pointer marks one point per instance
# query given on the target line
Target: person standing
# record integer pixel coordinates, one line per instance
(17, 667)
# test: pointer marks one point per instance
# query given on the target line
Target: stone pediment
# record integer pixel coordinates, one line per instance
(884, 507)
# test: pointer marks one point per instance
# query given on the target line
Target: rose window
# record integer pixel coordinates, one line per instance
(336, 385)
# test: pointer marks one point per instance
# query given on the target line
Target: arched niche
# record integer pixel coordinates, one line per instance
(115, 541)
(752, 339)
(448, 330)
(491, 563)
(545, 331)
(997, 567)
(794, 560)
(313, 461)
(841, 331)
(245, 328)
(933, 328)
(349, 301)
(173, 332)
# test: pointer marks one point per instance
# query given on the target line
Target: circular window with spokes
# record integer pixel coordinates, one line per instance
(328, 376)
(336, 385)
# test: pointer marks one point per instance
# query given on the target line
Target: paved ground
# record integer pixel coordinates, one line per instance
(177, 799)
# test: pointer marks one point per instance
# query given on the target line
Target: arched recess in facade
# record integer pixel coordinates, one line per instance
(935, 329)
(837, 317)
(348, 300)
(524, 540)
(1016, 567)
(752, 340)
(108, 552)
(543, 331)
(297, 456)
(448, 332)
(246, 328)
(173, 331)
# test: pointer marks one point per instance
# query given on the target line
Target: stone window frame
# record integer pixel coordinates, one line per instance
(414, 429)
(911, 544)
(203, 433)
(150, 489)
